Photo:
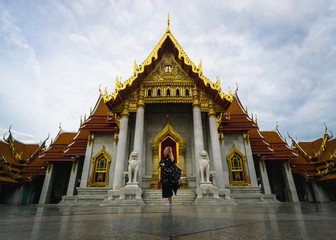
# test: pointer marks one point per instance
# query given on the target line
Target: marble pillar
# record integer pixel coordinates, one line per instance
(139, 131)
(121, 149)
(198, 132)
(289, 181)
(321, 195)
(47, 184)
(86, 167)
(17, 196)
(264, 177)
(215, 147)
(73, 179)
(250, 164)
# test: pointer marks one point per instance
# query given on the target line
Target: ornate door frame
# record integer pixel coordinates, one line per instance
(168, 131)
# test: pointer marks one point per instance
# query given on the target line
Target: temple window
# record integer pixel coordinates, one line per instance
(177, 92)
(237, 165)
(187, 92)
(159, 92)
(168, 68)
(101, 163)
(168, 92)
(149, 93)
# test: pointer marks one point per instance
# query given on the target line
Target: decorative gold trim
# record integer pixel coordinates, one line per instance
(92, 182)
(221, 137)
(168, 131)
(212, 112)
(90, 138)
(246, 137)
(181, 56)
(246, 180)
(125, 112)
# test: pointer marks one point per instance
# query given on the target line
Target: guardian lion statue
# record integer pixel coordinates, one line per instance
(204, 165)
(133, 167)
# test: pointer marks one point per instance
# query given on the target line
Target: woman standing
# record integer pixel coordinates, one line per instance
(170, 175)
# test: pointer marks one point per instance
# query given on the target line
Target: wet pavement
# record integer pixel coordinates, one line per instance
(279, 221)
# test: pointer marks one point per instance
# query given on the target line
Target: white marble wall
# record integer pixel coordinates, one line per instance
(236, 139)
(101, 139)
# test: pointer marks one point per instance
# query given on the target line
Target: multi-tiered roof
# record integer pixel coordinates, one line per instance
(19, 162)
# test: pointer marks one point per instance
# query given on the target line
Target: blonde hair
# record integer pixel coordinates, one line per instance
(171, 156)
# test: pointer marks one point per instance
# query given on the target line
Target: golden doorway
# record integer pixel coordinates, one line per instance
(167, 137)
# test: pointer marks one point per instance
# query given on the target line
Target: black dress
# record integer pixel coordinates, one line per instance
(170, 175)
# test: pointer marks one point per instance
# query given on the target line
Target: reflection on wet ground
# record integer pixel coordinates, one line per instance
(279, 221)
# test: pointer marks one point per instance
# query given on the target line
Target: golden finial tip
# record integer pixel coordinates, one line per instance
(168, 21)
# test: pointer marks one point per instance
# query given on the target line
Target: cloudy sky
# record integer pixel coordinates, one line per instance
(55, 54)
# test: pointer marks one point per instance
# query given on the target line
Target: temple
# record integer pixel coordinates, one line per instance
(113, 157)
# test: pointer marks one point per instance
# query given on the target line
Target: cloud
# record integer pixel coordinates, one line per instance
(57, 54)
(19, 136)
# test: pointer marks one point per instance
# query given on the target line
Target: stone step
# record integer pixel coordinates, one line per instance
(93, 190)
(183, 197)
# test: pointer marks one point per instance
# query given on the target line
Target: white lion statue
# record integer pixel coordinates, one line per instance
(204, 165)
(133, 167)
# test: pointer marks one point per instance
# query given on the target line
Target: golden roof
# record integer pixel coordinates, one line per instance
(182, 58)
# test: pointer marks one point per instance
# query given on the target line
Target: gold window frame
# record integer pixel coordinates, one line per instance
(242, 158)
(95, 169)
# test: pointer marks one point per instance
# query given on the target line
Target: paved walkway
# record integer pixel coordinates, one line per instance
(280, 221)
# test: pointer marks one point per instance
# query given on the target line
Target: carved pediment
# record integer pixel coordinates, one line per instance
(168, 71)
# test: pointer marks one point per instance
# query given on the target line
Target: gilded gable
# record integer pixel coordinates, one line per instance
(168, 70)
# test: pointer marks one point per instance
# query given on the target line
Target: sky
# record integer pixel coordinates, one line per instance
(54, 55)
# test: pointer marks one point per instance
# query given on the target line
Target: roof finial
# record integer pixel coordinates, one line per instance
(168, 29)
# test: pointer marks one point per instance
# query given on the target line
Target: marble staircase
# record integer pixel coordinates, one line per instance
(251, 195)
(92, 196)
(183, 197)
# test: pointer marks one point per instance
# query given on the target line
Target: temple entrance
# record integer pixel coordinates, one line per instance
(168, 141)
(167, 137)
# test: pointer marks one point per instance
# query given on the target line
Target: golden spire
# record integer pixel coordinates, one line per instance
(117, 83)
(100, 91)
(105, 92)
(135, 67)
(218, 84)
(60, 127)
(236, 89)
(168, 29)
(200, 67)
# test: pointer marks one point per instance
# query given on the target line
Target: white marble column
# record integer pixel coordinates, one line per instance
(86, 167)
(121, 149)
(139, 131)
(321, 194)
(290, 182)
(307, 191)
(198, 132)
(264, 177)
(46, 189)
(226, 171)
(17, 196)
(216, 156)
(72, 179)
(250, 164)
